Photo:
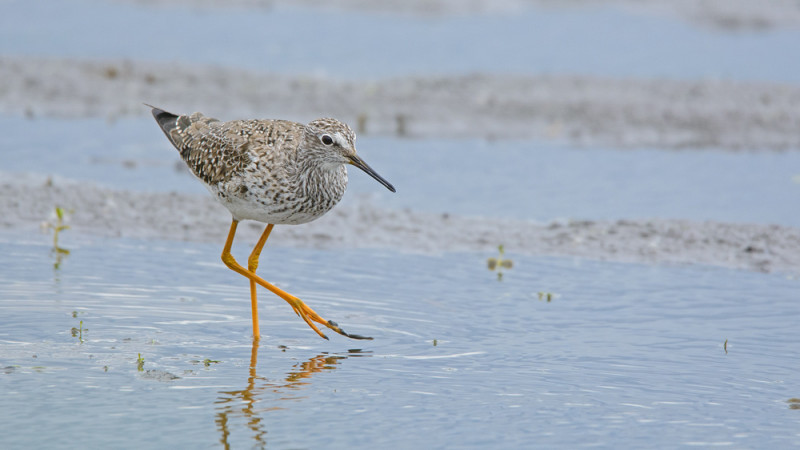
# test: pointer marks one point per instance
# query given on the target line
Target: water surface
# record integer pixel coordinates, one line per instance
(603, 41)
(517, 179)
(131, 344)
(622, 355)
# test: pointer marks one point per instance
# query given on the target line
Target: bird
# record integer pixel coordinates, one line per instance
(273, 171)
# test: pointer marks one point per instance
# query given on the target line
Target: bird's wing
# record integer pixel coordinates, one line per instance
(213, 150)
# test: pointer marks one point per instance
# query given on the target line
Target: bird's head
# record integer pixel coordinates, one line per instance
(334, 142)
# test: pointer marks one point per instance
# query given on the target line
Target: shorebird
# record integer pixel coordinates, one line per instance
(270, 171)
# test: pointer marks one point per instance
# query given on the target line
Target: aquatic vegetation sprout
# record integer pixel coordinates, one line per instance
(546, 296)
(78, 331)
(499, 263)
(58, 225)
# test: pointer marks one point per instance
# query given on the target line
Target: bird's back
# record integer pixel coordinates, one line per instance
(214, 151)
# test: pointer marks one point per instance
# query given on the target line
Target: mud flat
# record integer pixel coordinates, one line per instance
(583, 110)
(26, 201)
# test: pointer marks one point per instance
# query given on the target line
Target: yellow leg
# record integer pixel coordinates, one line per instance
(252, 265)
(253, 363)
(299, 307)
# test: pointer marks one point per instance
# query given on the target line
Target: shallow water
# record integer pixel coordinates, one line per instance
(528, 180)
(602, 41)
(623, 355)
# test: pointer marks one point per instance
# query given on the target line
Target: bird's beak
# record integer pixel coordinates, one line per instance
(358, 162)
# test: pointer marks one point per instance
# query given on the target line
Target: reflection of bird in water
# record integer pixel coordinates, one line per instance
(271, 171)
(243, 402)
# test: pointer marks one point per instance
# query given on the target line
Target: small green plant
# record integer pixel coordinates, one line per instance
(794, 403)
(207, 362)
(725, 346)
(435, 342)
(140, 363)
(546, 296)
(78, 331)
(499, 263)
(58, 226)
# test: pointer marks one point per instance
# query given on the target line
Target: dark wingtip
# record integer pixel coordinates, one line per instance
(166, 120)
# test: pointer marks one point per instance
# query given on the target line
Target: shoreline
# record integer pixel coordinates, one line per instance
(28, 201)
(581, 110)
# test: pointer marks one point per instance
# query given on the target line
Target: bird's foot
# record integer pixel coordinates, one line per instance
(310, 316)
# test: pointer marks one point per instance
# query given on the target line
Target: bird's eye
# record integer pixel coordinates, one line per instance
(327, 140)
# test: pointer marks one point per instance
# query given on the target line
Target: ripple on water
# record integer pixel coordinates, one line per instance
(621, 355)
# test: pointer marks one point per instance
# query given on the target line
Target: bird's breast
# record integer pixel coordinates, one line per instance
(283, 199)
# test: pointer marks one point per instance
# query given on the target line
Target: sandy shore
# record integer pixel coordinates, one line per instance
(583, 110)
(27, 201)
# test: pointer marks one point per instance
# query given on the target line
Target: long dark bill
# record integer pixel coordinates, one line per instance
(358, 162)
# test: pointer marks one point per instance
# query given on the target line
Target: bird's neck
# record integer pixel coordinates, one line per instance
(324, 181)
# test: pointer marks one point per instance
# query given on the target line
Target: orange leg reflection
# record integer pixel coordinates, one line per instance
(244, 402)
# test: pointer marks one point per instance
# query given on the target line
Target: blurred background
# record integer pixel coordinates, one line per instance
(637, 161)
(517, 109)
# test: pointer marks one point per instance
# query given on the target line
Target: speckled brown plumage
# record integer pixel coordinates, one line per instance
(272, 171)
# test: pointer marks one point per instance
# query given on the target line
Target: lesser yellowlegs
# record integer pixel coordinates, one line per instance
(271, 171)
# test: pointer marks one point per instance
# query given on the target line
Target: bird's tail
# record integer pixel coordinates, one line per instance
(166, 121)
